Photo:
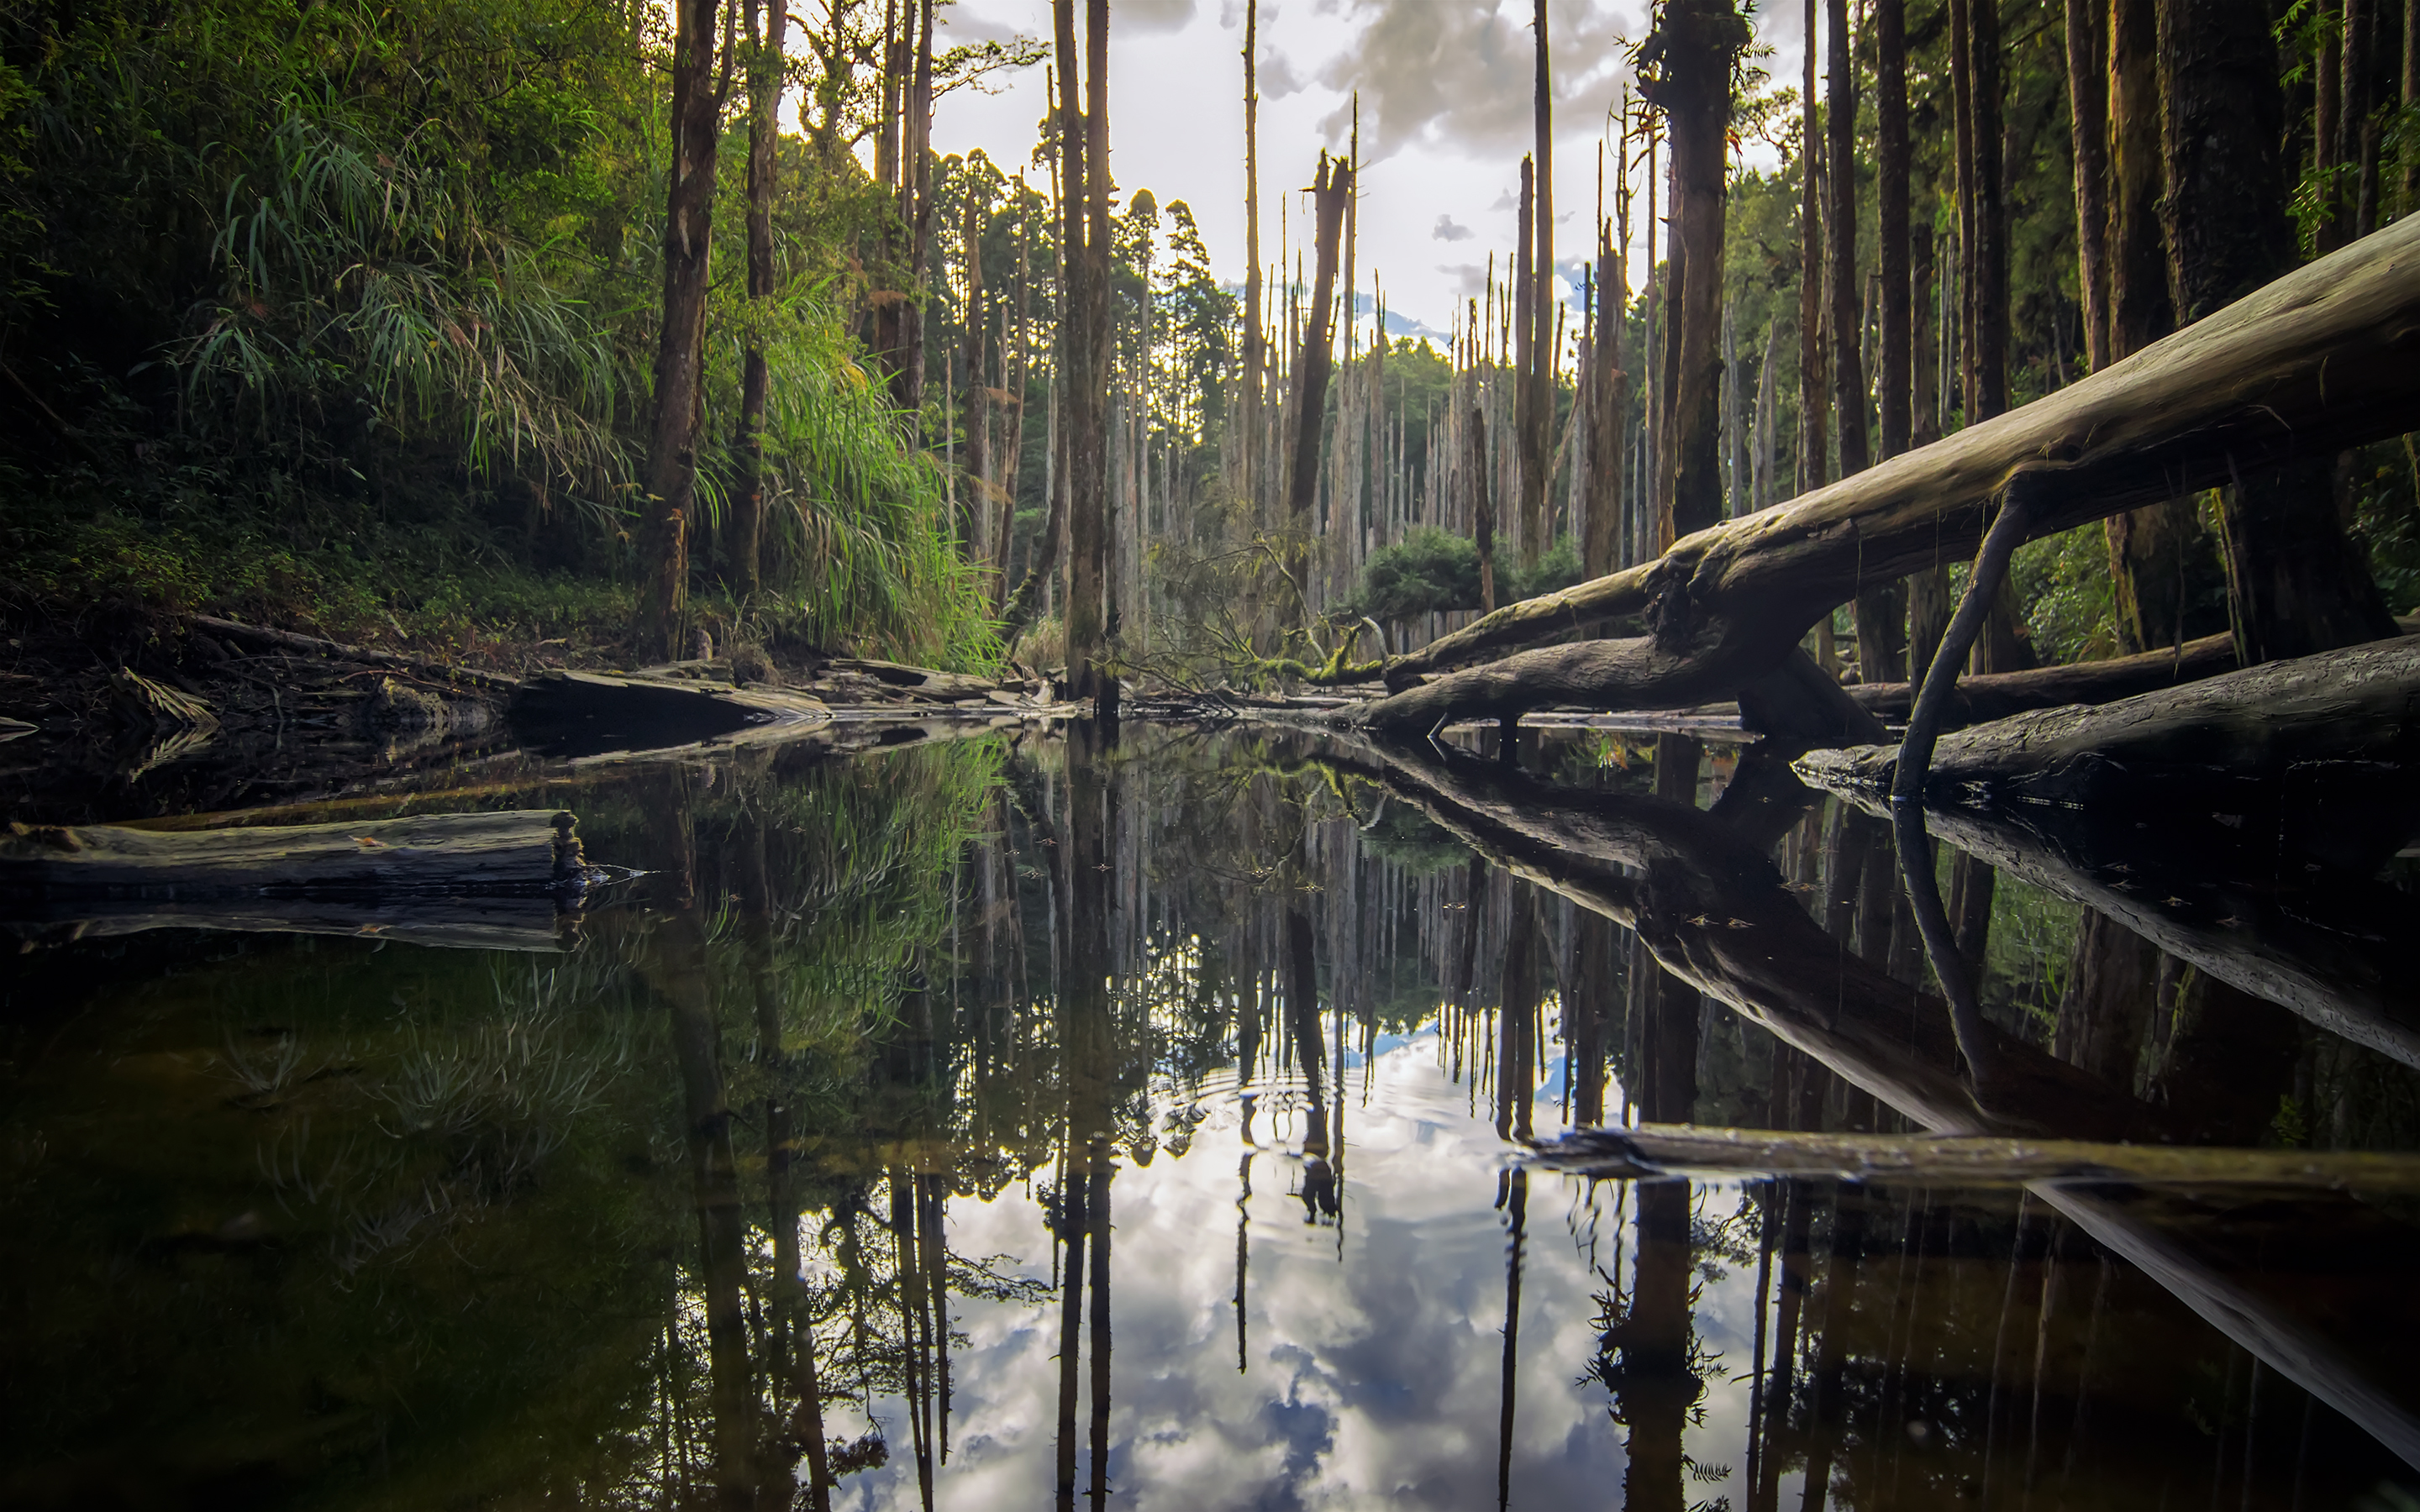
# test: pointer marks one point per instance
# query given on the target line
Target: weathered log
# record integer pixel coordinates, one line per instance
(2317, 749)
(2322, 360)
(523, 851)
(1653, 1150)
(308, 645)
(1998, 695)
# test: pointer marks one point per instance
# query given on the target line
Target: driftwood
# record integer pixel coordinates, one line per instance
(522, 852)
(1653, 1150)
(2320, 360)
(2270, 1276)
(308, 645)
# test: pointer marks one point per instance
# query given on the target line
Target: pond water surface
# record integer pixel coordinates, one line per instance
(992, 1123)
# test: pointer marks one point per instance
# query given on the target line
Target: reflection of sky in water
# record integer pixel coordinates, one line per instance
(1375, 1362)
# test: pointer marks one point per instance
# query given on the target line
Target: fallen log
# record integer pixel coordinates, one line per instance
(2318, 752)
(309, 645)
(1653, 1150)
(1998, 695)
(2320, 360)
(521, 852)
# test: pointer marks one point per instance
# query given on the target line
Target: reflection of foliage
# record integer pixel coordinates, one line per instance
(1410, 839)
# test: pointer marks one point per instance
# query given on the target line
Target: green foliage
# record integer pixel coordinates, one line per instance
(1428, 572)
(2070, 604)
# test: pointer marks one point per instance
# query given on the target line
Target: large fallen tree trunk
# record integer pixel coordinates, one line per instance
(2323, 358)
(535, 923)
(2319, 751)
(1655, 1149)
(521, 852)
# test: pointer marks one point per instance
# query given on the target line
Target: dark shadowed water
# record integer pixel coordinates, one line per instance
(985, 1125)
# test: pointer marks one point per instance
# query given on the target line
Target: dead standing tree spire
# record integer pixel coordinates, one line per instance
(1329, 193)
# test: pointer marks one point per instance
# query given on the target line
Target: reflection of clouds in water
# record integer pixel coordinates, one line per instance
(1372, 1378)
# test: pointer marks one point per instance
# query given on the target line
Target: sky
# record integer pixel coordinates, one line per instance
(1445, 90)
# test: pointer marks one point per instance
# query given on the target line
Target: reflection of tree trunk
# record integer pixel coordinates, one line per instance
(1516, 1202)
(1073, 1210)
(1797, 1272)
(679, 974)
(1514, 1077)
(1097, 1221)
(792, 1348)
(1824, 1411)
(1588, 1008)
(1658, 1388)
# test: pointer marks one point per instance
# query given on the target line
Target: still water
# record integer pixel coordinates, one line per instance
(992, 1124)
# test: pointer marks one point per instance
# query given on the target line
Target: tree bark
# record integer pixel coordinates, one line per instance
(672, 438)
(978, 400)
(2088, 115)
(1997, 695)
(1529, 496)
(1084, 245)
(1696, 41)
(2296, 583)
(1879, 612)
(1537, 465)
(1609, 408)
(1814, 405)
(1330, 192)
(764, 133)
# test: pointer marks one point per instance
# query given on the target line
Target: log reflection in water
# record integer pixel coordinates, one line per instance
(2304, 1295)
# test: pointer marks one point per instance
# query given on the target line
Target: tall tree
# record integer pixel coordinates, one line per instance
(1525, 360)
(2087, 114)
(2296, 584)
(1878, 612)
(1896, 377)
(1814, 405)
(1685, 70)
(1608, 386)
(1544, 307)
(764, 133)
(2148, 548)
(680, 343)
(1255, 344)
(1084, 240)
(976, 210)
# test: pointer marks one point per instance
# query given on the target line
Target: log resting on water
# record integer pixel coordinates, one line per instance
(2313, 1288)
(2320, 751)
(1653, 1150)
(2324, 359)
(521, 852)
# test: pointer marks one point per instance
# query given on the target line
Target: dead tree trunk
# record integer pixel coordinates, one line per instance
(680, 340)
(1544, 339)
(1255, 344)
(1084, 248)
(1609, 408)
(1330, 192)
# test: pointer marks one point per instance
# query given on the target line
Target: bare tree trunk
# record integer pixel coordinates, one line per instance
(2296, 584)
(1990, 220)
(1482, 506)
(1255, 351)
(916, 194)
(1608, 395)
(1814, 409)
(1693, 85)
(1878, 612)
(1084, 240)
(2327, 125)
(2087, 107)
(1330, 192)
(1528, 491)
(1005, 523)
(672, 442)
(1891, 205)
(1545, 334)
(994, 553)
(764, 133)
